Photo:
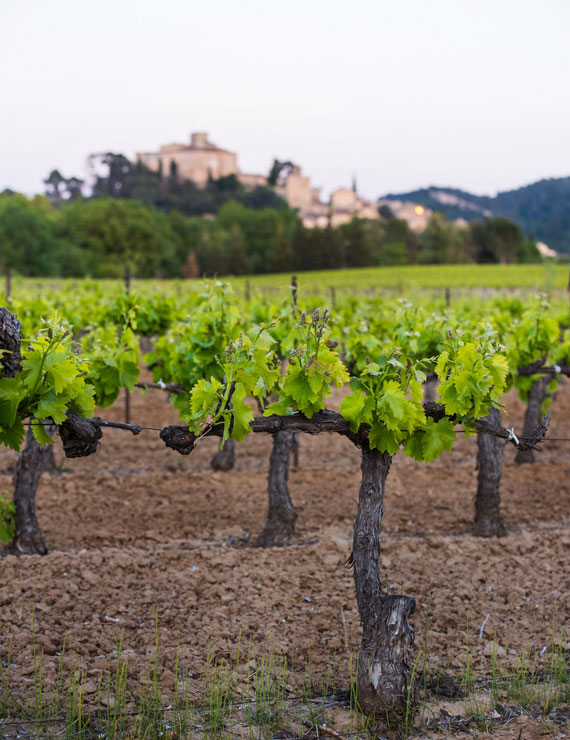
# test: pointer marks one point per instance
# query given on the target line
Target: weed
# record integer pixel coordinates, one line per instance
(426, 644)
(410, 707)
(218, 695)
(268, 703)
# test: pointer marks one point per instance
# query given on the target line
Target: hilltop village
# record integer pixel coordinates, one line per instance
(201, 159)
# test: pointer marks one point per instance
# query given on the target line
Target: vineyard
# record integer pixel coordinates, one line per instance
(286, 511)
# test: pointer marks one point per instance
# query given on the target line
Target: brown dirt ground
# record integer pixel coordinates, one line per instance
(137, 532)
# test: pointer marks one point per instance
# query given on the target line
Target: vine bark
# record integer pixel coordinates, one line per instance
(488, 521)
(28, 538)
(385, 660)
(225, 458)
(281, 515)
(533, 416)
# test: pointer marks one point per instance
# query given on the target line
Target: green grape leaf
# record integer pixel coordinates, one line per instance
(11, 393)
(204, 398)
(83, 404)
(298, 387)
(242, 414)
(128, 372)
(13, 436)
(41, 435)
(52, 406)
(280, 408)
(316, 380)
(428, 443)
(356, 409)
(393, 403)
(417, 390)
(438, 437)
(380, 438)
(60, 372)
(441, 364)
(499, 370)
(414, 445)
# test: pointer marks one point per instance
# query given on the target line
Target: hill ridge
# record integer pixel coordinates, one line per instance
(542, 208)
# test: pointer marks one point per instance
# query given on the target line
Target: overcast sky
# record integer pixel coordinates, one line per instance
(403, 94)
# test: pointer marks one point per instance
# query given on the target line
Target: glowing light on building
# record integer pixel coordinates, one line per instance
(419, 210)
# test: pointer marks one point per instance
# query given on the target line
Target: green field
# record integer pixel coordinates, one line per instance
(543, 277)
(405, 281)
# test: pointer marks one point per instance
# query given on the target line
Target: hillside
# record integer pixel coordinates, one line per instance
(541, 209)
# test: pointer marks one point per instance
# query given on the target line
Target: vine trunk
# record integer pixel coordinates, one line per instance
(281, 515)
(488, 521)
(533, 416)
(385, 661)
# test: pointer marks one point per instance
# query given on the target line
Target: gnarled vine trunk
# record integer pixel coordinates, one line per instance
(533, 416)
(385, 661)
(27, 534)
(488, 521)
(281, 515)
(28, 538)
(225, 458)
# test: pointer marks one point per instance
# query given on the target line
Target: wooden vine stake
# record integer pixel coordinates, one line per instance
(294, 442)
(127, 392)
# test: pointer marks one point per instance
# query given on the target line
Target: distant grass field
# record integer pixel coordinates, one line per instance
(543, 277)
(405, 281)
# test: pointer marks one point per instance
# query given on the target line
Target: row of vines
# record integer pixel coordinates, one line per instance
(415, 375)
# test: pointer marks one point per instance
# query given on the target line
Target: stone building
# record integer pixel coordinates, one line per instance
(344, 204)
(197, 161)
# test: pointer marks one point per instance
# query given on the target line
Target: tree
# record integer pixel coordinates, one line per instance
(114, 180)
(497, 240)
(435, 245)
(281, 255)
(73, 188)
(210, 253)
(276, 169)
(358, 244)
(54, 183)
(237, 260)
(300, 247)
(115, 234)
(28, 238)
(506, 239)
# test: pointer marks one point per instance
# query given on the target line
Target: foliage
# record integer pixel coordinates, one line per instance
(103, 235)
(115, 234)
(250, 369)
(220, 349)
(311, 370)
(473, 375)
(192, 349)
(51, 383)
(118, 177)
(113, 361)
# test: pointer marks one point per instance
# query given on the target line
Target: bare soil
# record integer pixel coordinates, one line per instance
(143, 540)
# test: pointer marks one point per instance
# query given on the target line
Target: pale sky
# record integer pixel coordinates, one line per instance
(403, 94)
